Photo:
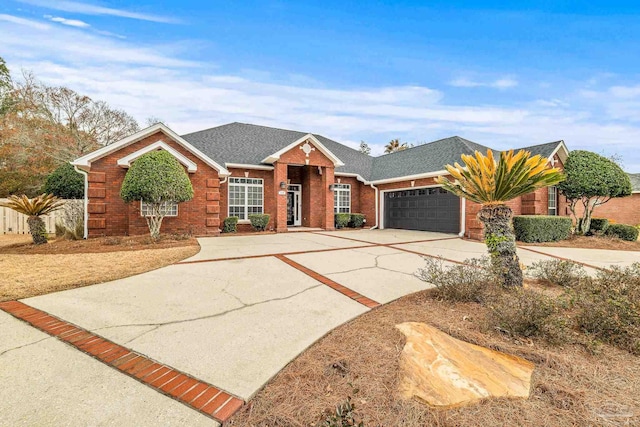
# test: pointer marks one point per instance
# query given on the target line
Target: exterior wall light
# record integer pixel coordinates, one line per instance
(283, 185)
(332, 187)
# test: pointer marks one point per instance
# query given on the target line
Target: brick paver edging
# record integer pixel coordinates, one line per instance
(190, 391)
(367, 302)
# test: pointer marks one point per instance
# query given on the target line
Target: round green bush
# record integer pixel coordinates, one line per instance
(65, 183)
(623, 231)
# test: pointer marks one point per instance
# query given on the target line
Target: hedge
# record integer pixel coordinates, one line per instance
(230, 224)
(623, 231)
(541, 228)
(342, 220)
(357, 220)
(259, 222)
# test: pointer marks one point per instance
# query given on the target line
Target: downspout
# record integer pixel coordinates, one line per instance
(463, 215)
(226, 178)
(86, 200)
(377, 208)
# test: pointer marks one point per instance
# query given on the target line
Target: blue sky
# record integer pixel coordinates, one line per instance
(501, 75)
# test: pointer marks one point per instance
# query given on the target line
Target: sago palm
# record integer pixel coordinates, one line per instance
(34, 209)
(492, 184)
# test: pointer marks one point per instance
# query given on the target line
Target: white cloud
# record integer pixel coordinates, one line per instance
(151, 81)
(70, 22)
(91, 9)
(501, 83)
(23, 22)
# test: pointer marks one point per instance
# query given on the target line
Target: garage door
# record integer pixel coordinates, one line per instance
(427, 209)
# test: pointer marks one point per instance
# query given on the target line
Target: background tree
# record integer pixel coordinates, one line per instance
(364, 148)
(394, 146)
(35, 208)
(492, 183)
(65, 182)
(592, 180)
(158, 179)
(42, 127)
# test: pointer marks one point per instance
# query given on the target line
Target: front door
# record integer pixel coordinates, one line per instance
(294, 205)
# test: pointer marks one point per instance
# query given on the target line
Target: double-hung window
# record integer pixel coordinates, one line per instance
(245, 197)
(341, 198)
(166, 208)
(552, 204)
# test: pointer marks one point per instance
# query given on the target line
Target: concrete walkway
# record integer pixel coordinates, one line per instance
(232, 316)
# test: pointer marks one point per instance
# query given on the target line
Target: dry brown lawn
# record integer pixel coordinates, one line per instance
(29, 270)
(592, 242)
(570, 386)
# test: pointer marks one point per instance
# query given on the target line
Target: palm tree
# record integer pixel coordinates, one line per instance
(395, 145)
(492, 183)
(34, 208)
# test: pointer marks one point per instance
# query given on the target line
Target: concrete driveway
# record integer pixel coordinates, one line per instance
(231, 317)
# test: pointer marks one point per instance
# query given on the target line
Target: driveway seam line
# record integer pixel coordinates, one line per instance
(367, 302)
(562, 258)
(127, 362)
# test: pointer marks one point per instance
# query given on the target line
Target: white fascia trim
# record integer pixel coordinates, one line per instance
(125, 162)
(352, 175)
(84, 162)
(411, 177)
(245, 166)
(324, 150)
(563, 146)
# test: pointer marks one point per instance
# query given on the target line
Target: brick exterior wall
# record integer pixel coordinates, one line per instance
(624, 210)
(110, 216)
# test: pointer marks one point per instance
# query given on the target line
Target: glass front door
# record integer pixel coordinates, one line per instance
(294, 205)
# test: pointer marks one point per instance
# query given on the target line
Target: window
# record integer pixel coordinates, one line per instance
(168, 208)
(341, 198)
(552, 204)
(245, 197)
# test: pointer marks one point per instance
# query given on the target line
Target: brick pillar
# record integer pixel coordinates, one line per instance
(327, 179)
(280, 175)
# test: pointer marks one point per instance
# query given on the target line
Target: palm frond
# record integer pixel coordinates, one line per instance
(40, 205)
(484, 180)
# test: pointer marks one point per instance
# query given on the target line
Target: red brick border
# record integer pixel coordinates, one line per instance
(196, 394)
(367, 302)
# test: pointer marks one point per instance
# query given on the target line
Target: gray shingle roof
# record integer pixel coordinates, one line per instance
(430, 157)
(250, 144)
(635, 181)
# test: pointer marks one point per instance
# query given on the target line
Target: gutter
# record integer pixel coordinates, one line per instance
(377, 205)
(463, 217)
(86, 200)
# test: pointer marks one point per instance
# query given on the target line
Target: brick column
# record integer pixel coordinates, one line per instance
(327, 179)
(280, 175)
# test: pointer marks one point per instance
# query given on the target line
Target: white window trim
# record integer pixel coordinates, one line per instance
(168, 215)
(337, 189)
(230, 183)
(555, 208)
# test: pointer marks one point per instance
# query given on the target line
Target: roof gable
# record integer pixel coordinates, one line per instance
(305, 140)
(125, 162)
(84, 162)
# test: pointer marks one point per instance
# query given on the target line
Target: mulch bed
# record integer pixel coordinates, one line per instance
(591, 242)
(571, 386)
(97, 245)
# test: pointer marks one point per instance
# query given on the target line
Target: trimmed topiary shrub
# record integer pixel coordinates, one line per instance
(357, 220)
(65, 183)
(541, 228)
(259, 222)
(230, 224)
(342, 220)
(623, 231)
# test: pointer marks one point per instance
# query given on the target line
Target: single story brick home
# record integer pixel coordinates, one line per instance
(300, 179)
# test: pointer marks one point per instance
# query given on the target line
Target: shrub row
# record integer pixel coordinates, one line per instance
(541, 228)
(623, 231)
(259, 222)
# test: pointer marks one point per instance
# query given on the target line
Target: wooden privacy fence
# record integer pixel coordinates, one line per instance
(12, 222)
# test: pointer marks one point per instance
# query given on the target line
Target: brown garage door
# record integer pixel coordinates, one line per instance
(427, 209)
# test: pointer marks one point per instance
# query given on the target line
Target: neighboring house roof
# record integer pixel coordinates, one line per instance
(635, 181)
